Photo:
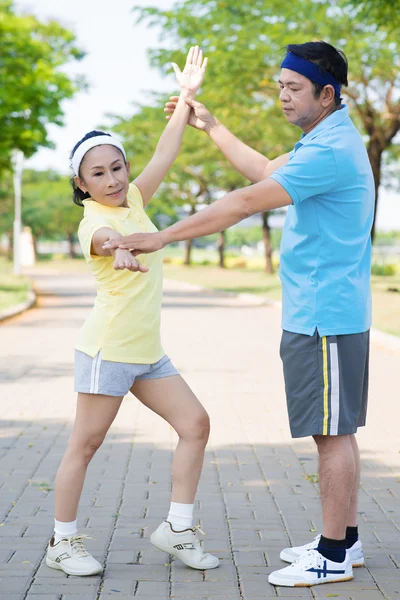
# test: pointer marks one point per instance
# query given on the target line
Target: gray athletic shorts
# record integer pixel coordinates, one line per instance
(96, 376)
(326, 381)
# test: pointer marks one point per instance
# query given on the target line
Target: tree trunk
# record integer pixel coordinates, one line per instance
(35, 246)
(71, 252)
(267, 243)
(375, 152)
(221, 249)
(10, 236)
(189, 243)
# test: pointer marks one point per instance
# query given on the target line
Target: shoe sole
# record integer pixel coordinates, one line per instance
(54, 565)
(289, 558)
(175, 553)
(306, 584)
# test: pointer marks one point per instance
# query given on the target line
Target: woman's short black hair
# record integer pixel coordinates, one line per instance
(327, 57)
(78, 194)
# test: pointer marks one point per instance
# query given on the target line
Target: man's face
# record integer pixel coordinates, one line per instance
(298, 102)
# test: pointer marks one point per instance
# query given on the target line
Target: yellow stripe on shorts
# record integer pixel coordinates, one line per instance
(326, 386)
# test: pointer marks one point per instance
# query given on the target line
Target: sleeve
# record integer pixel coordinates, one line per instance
(135, 197)
(311, 171)
(86, 231)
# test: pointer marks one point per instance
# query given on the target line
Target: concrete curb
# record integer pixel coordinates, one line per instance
(388, 341)
(19, 308)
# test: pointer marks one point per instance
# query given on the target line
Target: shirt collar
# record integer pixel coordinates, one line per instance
(333, 120)
(119, 213)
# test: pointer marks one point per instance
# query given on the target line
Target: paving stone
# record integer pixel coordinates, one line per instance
(255, 494)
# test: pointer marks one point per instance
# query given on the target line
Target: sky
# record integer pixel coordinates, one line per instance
(117, 70)
(116, 67)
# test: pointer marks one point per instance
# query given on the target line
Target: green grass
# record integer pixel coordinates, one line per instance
(386, 303)
(253, 280)
(13, 290)
(240, 281)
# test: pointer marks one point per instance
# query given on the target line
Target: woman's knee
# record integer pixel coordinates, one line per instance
(197, 429)
(86, 447)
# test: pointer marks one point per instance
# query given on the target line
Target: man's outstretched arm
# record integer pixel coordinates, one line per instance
(223, 213)
(250, 163)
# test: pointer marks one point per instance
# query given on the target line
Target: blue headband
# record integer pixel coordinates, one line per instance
(310, 70)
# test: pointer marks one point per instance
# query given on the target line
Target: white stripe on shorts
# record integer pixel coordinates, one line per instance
(95, 375)
(333, 430)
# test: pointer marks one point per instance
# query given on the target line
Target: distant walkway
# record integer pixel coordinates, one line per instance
(257, 493)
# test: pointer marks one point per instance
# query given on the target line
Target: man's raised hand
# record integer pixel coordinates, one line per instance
(200, 117)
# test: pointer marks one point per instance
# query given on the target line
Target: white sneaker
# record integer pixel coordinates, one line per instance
(185, 545)
(291, 554)
(69, 555)
(311, 568)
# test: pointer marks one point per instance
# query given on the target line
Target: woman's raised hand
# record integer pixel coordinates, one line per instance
(191, 78)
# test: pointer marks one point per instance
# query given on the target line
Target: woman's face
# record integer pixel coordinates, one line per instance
(105, 176)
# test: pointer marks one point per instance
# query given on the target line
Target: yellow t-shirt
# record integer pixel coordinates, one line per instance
(125, 321)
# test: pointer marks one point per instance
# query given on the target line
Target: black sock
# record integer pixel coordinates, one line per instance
(351, 536)
(332, 549)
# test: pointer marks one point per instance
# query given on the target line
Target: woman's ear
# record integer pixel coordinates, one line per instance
(81, 185)
(128, 167)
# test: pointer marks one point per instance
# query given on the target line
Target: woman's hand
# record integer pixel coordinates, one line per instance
(199, 118)
(191, 78)
(138, 243)
(123, 259)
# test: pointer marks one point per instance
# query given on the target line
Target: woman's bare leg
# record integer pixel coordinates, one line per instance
(174, 401)
(94, 416)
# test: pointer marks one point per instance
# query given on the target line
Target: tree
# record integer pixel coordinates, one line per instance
(33, 83)
(196, 177)
(47, 207)
(245, 43)
(378, 12)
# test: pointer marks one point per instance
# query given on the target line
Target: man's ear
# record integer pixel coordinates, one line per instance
(128, 167)
(79, 182)
(327, 95)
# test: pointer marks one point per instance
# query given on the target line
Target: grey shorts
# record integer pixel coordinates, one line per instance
(96, 376)
(326, 381)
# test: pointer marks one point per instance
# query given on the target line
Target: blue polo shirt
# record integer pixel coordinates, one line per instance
(326, 245)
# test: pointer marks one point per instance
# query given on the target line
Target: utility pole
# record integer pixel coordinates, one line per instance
(17, 159)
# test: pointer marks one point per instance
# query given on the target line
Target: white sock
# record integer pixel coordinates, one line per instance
(64, 530)
(180, 516)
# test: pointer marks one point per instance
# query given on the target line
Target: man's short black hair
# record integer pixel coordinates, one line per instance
(327, 57)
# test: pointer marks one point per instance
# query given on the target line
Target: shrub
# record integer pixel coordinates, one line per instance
(385, 270)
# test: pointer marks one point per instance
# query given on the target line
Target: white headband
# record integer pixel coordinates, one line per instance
(90, 143)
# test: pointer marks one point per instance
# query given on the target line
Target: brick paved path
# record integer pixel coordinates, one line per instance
(257, 493)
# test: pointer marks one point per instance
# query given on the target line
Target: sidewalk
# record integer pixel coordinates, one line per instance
(257, 491)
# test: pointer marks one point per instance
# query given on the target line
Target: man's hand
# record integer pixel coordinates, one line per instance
(123, 259)
(191, 78)
(200, 117)
(138, 243)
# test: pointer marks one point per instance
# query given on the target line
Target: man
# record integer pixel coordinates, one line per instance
(327, 183)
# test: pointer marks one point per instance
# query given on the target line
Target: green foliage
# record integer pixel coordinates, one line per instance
(33, 83)
(383, 270)
(380, 13)
(245, 42)
(47, 205)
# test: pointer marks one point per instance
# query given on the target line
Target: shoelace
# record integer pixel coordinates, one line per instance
(77, 544)
(309, 559)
